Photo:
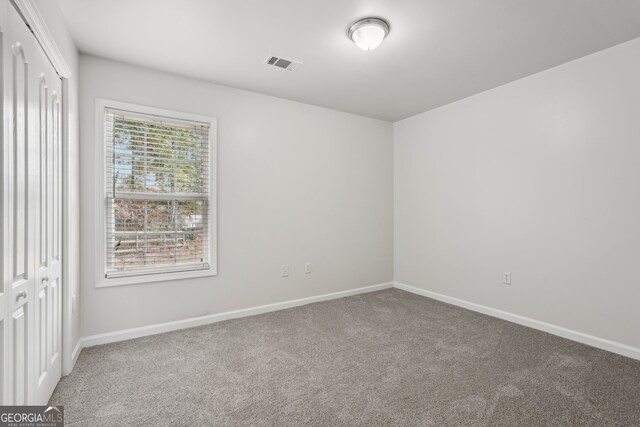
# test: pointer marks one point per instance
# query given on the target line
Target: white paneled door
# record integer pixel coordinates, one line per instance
(30, 294)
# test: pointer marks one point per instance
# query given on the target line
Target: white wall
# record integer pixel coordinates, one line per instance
(540, 177)
(57, 26)
(296, 183)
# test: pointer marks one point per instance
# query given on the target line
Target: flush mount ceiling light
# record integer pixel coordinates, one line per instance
(368, 33)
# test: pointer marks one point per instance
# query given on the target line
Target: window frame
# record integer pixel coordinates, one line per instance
(100, 198)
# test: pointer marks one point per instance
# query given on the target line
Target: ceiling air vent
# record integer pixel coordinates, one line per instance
(285, 64)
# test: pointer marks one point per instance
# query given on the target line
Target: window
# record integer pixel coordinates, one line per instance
(158, 197)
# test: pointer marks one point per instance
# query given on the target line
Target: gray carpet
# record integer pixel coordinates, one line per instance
(384, 358)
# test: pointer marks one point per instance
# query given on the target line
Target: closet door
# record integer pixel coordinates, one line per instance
(17, 209)
(47, 304)
(30, 299)
(4, 290)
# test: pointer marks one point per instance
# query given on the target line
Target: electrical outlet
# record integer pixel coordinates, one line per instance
(307, 268)
(284, 270)
(506, 278)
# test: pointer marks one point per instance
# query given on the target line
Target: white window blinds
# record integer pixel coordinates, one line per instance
(157, 194)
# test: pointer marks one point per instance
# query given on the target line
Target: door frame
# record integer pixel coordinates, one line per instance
(34, 20)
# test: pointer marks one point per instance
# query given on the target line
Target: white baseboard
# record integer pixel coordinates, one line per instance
(580, 337)
(143, 331)
(75, 353)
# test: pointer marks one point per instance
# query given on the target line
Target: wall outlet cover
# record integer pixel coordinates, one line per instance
(506, 278)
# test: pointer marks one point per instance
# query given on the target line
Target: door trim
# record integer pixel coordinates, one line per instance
(31, 15)
(36, 23)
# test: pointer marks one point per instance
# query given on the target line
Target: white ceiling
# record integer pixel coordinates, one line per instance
(438, 51)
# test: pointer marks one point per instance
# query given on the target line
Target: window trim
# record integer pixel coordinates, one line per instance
(100, 197)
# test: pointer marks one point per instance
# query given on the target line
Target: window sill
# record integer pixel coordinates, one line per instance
(154, 278)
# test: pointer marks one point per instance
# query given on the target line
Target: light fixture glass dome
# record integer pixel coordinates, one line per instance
(368, 33)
